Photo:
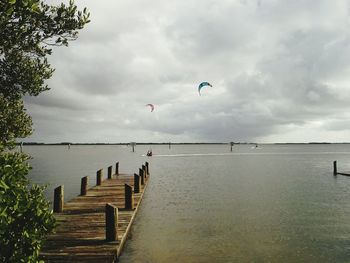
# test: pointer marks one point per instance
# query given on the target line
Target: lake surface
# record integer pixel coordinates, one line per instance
(276, 203)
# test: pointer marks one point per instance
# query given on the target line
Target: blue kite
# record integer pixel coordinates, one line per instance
(203, 84)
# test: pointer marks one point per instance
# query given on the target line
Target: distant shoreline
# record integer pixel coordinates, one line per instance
(180, 143)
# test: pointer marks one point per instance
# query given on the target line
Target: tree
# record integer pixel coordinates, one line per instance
(28, 31)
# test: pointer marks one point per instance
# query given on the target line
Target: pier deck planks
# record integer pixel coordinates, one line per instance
(80, 235)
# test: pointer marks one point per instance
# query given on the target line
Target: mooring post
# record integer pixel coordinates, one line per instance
(142, 175)
(58, 199)
(117, 168)
(137, 183)
(144, 171)
(84, 185)
(111, 222)
(231, 143)
(147, 167)
(110, 172)
(335, 172)
(99, 175)
(129, 197)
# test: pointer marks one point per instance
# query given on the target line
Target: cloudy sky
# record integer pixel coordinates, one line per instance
(280, 72)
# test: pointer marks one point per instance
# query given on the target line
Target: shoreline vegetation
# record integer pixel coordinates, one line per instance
(176, 143)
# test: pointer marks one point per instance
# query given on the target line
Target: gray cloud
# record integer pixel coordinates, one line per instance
(279, 68)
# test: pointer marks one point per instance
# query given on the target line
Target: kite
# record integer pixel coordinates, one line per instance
(151, 105)
(203, 84)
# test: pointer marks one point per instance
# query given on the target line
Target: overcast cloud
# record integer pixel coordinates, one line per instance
(280, 72)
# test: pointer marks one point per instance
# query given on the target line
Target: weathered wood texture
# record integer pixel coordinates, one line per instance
(80, 235)
(58, 199)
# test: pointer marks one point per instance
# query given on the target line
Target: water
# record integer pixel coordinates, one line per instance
(277, 203)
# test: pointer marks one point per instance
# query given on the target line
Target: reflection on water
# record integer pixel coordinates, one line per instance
(203, 204)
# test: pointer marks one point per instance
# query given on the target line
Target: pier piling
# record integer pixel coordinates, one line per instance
(111, 222)
(144, 171)
(142, 175)
(129, 197)
(137, 183)
(99, 175)
(147, 167)
(117, 168)
(58, 199)
(109, 172)
(84, 185)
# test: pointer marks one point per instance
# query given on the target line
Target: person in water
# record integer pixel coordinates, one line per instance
(149, 153)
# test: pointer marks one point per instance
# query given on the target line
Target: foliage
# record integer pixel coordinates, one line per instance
(28, 31)
(15, 122)
(25, 216)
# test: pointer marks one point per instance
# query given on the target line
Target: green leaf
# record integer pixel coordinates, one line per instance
(35, 8)
(10, 11)
(12, 2)
(3, 212)
(3, 185)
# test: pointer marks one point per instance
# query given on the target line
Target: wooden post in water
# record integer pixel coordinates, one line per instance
(129, 197)
(133, 146)
(110, 172)
(137, 183)
(335, 172)
(147, 167)
(231, 143)
(117, 168)
(99, 175)
(58, 199)
(84, 185)
(111, 222)
(142, 176)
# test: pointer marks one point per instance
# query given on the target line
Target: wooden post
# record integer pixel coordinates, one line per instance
(110, 172)
(129, 198)
(99, 175)
(84, 185)
(147, 167)
(117, 168)
(111, 222)
(144, 171)
(142, 176)
(58, 199)
(137, 183)
(231, 143)
(335, 172)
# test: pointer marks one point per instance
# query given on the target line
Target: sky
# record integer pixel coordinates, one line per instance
(280, 72)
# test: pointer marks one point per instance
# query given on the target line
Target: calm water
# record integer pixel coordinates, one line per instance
(277, 203)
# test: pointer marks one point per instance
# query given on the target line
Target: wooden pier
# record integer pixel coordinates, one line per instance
(94, 226)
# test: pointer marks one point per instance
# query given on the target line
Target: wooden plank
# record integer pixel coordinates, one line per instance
(80, 235)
